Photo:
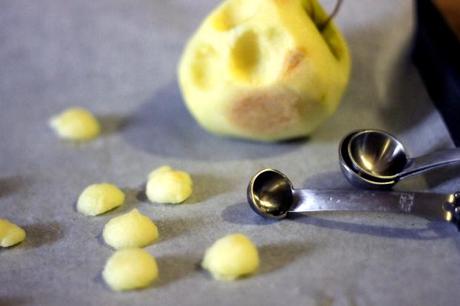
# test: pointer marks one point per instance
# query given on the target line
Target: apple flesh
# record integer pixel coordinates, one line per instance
(264, 69)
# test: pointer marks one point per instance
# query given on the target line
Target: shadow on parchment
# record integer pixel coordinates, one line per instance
(449, 175)
(175, 267)
(131, 199)
(207, 186)
(141, 196)
(170, 228)
(434, 230)
(242, 214)
(41, 234)
(163, 126)
(11, 184)
(111, 123)
(15, 300)
(276, 256)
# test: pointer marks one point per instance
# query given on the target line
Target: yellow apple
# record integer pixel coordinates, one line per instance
(264, 69)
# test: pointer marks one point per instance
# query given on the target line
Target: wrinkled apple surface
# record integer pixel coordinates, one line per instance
(264, 69)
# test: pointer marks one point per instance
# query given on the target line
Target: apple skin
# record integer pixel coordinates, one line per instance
(263, 70)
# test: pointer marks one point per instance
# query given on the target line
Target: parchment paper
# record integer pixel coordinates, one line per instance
(118, 58)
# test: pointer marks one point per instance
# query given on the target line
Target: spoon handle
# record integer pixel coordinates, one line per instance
(427, 162)
(429, 205)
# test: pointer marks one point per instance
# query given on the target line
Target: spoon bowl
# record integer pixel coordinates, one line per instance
(356, 178)
(270, 194)
(377, 154)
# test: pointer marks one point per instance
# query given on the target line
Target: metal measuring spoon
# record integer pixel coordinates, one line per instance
(271, 195)
(375, 159)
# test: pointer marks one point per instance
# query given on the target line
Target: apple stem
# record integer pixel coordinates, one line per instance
(324, 25)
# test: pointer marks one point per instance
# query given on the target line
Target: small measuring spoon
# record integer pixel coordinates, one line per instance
(271, 195)
(375, 159)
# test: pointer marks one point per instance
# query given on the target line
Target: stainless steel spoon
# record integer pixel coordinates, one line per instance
(271, 195)
(375, 159)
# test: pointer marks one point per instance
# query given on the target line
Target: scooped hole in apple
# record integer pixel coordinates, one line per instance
(202, 66)
(258, 58)
(233, 14)
(246, 56)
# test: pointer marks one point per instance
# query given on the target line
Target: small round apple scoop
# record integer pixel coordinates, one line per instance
(97, 199)
(231, 257)
(75, 123)
(130, 230)
(130, 269)
(167, 185)
(10, 234)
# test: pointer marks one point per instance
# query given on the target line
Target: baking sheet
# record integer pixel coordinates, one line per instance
(118, 58)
